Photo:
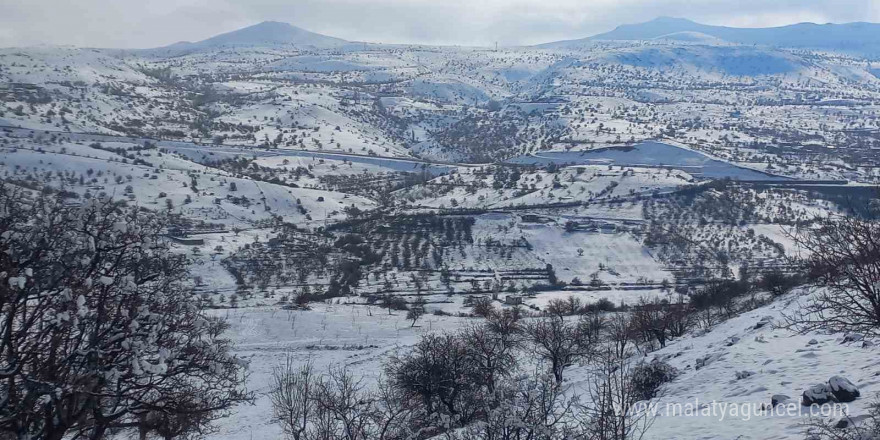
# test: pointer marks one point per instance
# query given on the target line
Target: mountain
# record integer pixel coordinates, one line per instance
(690, 37)
(267, 33)
(853, 38)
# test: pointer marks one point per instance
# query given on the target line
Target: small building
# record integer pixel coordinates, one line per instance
(532, 218)
(187, 241)
(513, 300)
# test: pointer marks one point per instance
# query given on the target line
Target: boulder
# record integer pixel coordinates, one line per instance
(818, 394)
(841, 423)
(853, 337)
(867, 344)
(706, 360)
(843, 390)
(764, 321)
(779, 399)
(743, 374)
(812, 342)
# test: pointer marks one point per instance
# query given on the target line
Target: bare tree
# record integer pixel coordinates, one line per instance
(659, 321)
(621, 333)
(483, 307)
(564, 307)
(395, 413)
(291, 396)
(337, 405)
(416, 311)
(560, 343)
(492, 353)
(843, 257)
(98, 327)
(343, 407)
(507, 323)
(469, 385)
(441, 374)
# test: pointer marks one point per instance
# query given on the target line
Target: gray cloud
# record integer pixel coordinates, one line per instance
(132, 24)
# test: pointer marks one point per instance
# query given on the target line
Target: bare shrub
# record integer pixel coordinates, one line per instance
(648, 377)
(528, 408)
(845, 428)
(612, 411)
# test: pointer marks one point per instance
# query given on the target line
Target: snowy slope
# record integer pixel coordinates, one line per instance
(782, 362)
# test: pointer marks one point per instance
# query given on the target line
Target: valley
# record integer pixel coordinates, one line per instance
(339, 202)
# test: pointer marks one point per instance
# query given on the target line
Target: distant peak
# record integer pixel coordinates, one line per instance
(267, 33)
(665, 19)
(270, 26)
(272, 23)
(663, 22)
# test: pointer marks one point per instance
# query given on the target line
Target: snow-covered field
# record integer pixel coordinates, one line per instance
(358, 337)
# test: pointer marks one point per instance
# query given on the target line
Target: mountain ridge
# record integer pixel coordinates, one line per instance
(860, 38)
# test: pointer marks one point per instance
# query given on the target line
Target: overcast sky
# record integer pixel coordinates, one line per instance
(153, 23)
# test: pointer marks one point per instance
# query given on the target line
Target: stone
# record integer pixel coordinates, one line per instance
(842, 389)
(818, 394)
